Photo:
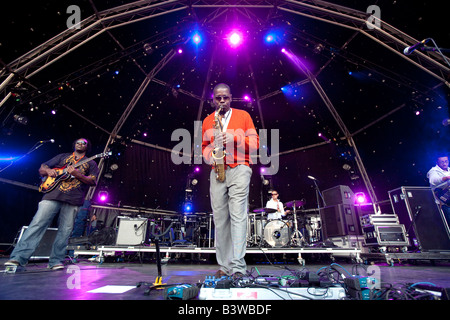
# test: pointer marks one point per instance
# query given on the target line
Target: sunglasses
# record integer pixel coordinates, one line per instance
(218, 98)
(81, 142)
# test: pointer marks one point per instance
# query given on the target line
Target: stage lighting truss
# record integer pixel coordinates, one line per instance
(63, 44)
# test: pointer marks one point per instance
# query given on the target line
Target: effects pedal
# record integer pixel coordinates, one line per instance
(181, 292)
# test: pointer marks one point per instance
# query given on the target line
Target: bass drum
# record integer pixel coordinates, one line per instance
(276, 233)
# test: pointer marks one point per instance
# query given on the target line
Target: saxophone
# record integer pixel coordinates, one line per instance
(218, 152)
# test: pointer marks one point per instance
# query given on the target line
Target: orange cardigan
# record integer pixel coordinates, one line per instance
(246, 139)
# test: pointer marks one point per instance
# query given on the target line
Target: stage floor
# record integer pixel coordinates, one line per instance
(117, 280)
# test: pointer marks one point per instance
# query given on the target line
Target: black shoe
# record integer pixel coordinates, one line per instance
(219, 274)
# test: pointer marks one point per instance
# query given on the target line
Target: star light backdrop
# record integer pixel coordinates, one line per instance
(393, 109)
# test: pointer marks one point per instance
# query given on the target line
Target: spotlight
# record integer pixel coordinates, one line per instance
(148, 48)
(196, 38)
(20, 119)
(102, 196)
(187, 207)
(235, 38)
(180, 51)
(360, 198)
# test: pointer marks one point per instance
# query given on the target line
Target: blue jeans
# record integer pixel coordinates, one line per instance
(32, 236)
(229, 202)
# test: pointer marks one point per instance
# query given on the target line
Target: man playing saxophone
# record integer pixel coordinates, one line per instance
(229, 140)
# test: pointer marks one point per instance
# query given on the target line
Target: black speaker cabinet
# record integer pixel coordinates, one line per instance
(338, 195)
(423, 219)
(339, 220)
(44, 249)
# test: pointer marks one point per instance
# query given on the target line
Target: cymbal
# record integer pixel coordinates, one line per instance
(294, 203)
(266, 210)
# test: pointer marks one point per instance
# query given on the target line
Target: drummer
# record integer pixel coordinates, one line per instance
(276, 204)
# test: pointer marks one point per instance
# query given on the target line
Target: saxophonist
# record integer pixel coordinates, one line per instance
(229, 140)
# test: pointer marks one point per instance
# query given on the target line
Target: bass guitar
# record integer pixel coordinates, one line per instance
(49, 183)
(442, 193)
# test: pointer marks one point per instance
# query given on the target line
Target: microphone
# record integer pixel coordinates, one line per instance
(312, 178)
(45, 141)
(409, 50)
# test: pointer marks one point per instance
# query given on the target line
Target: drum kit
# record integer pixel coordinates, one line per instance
(286, 232)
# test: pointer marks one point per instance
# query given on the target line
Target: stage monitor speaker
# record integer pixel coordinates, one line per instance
(423, 219)
(339, 220)
(44, 248)
(338, 195)
(131, 231)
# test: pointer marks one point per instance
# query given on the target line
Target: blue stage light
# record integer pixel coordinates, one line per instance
(196, 38)
(187, 207)
(270, 38)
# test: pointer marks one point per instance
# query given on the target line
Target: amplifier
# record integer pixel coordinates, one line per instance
(425, 222)
(376, 219)
(131, 231)
(385, 235)
(44, 248)
(338, 195)
(339, 220)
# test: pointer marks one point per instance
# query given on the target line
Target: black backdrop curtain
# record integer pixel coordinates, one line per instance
(148, 178)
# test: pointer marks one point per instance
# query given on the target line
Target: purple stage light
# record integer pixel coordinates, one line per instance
(246, 98)
(197, 169)
(103, 196)
(360, 198)
(235, 38)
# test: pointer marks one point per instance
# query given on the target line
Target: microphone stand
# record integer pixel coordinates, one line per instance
(158, 281)
(436, 48)
(318, 193)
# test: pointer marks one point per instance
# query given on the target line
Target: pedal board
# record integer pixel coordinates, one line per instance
(266, 288)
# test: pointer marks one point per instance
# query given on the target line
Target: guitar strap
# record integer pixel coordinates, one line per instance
(76, 161)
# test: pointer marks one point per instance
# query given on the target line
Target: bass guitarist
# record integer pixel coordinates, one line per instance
(64, 198)
(439, 178)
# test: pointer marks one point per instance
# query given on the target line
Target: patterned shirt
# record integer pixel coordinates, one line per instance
(72, 190)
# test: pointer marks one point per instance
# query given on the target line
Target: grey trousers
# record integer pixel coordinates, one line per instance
(229, 202)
